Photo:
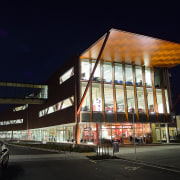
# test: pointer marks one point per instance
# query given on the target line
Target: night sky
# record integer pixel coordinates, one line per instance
(37, 38)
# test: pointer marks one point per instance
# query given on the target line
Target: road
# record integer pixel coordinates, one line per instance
(31, 164)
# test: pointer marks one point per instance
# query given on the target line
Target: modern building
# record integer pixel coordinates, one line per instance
(117, 89)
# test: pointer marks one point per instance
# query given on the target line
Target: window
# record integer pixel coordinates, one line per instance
(108, 97)
(129, 74)
(57, 107)
(150, 100)
(20, 108)
(120, 98)
(17, 121)
(118, 73)
(140, 99)
(148, 77)
(96, 97)
(159, 101)
(157, 80)
(130, 98)
(86, 103)
(107, 72)
(138, 71)
(97, 73)
(66, 75)
(85, 69)
(167, 101)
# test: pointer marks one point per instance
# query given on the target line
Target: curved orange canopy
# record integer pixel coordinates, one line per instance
(136, 49)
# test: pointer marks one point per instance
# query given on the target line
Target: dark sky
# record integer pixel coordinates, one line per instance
(37, 38)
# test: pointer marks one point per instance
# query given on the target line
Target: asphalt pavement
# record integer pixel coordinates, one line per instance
(35, 164)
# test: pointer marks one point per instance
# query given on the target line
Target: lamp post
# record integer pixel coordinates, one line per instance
(134, 137)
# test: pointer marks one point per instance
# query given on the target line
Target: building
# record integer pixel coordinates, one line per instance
(129, 84)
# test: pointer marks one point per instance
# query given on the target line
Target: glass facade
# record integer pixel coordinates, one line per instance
(116, 94)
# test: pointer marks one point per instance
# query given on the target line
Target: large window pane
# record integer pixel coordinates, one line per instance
(150, 100)
(148, 77)
(129, 74)
(86, 103)
(118, 73)
(120, 98)
(159, 101)
(85, 69)
(157, 80)
(107, 72)
(130, 98)
(138, 71)
(108, 97)
(96, 97)
(97, 73)
(167, 101)
(140, 99)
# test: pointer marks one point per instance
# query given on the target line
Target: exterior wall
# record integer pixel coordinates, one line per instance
(56, 93)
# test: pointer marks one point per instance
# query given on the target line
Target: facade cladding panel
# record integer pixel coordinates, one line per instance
(120, 97)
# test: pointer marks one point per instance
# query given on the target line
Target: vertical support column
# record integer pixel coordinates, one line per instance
(169, 90)
(163, 95)
(97, 133)
(135, 94)
(90, 88)
(125, 94)
(145, 92)
(102, 89)
(167, 132)
(114, 92)
(154, 95)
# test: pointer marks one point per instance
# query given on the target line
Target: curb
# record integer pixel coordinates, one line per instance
(35, 148)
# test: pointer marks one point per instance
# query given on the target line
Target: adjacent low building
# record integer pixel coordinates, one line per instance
(117, 89)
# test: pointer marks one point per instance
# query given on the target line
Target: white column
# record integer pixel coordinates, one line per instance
(167, 132)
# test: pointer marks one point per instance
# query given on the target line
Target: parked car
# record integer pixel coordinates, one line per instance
(4, 155)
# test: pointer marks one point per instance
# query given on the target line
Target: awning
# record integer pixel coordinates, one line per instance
(136, 49)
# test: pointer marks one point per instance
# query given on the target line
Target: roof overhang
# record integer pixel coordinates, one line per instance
(130, 48)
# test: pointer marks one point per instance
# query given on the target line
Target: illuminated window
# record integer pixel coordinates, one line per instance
(150, 100)
(120, 98)
(107, 72)
(138, 71)
(17, 121)
(96, 97)
(118, 73)
(157, 81)
(85, 69)
(167, 101)
(97, 73)
(56, 107)
(140, 99)
(129, 74)
(20, 108)
(148, 77)
(159, 101)
(130, 98)
(66, 75)
(86, 102)
(108, 97)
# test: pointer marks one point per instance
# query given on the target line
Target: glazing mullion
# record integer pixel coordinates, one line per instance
(125, 93)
